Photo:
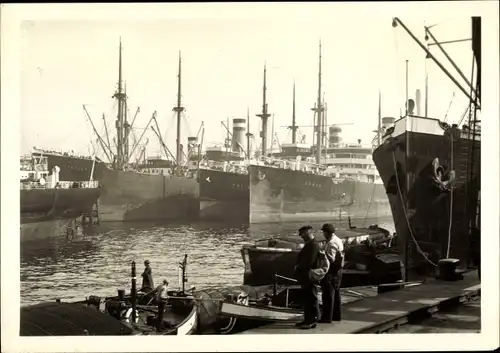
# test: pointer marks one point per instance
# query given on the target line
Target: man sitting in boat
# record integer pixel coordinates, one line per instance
(147, 278)
(161, 300)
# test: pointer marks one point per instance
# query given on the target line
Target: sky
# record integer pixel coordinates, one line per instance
(65, 64)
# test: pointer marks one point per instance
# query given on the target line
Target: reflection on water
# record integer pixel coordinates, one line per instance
(99, 262)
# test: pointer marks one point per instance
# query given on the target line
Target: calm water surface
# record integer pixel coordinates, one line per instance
(99, 262)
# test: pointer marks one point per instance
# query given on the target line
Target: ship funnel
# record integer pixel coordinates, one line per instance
(417, 98)
(239, 129)
(334, 136)
(388, 122)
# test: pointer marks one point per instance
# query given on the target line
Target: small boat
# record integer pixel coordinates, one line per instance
(133, 314)
(370, 257)
(283, 305)
(263, 313)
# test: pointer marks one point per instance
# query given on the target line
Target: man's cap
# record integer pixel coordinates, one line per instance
(328, 227)
(146, 262)
(305, 229)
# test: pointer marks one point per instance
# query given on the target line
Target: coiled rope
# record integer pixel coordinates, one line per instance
(406, 215)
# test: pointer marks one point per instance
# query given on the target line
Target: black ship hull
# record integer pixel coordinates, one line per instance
(364, 265)
(224, 196)
(38, 205)
(74, 168)
(283, 195)
(430, 219)
(47, 212)
(133, 196)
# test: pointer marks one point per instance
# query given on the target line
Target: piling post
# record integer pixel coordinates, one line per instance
(134, 292)
(275, 285)
(97, 213)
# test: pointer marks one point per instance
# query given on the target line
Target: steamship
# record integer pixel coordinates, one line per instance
(432, 174)
(132, 191)
(48, 203)
(292, 185)
(223, 179)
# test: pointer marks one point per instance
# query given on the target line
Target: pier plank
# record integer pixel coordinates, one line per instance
(373, 311)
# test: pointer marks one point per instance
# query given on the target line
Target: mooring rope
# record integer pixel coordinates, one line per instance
(369, 205)
(451, 202)
(405, 213)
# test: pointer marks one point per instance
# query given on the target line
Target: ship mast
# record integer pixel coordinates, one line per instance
(126, 127)
(396, 21)
(294, 126)
(319, 109)
(264, 116)
(426, 90)
(178, 109)
(121, 97)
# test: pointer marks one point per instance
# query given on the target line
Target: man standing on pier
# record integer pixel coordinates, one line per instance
(330, 285)
(306, 261)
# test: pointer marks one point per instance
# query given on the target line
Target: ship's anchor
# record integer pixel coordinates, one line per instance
(442, 180)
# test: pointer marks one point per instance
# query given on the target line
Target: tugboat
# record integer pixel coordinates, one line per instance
(134, 314)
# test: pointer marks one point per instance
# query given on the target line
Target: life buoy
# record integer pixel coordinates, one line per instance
(127, 315)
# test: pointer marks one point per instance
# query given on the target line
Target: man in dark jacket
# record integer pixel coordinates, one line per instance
(147, 278)
(306, 261)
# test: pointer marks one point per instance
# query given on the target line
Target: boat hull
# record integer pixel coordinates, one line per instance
(133, 196)
(38, 205)
(47, 229)
(363, 265)
(266, 313)
(283, 195)
(224, 196)
(420, 207)
(68, 319)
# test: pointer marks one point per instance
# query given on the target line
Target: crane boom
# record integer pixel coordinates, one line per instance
(140, 138)
(165, 148)
(106, 130)
(103, 144)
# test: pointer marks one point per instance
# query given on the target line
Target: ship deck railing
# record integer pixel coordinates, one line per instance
(61, 185)
(220, 166)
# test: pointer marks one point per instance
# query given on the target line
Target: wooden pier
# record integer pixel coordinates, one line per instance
(383, 312)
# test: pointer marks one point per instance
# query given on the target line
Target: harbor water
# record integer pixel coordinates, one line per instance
(98, 262)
